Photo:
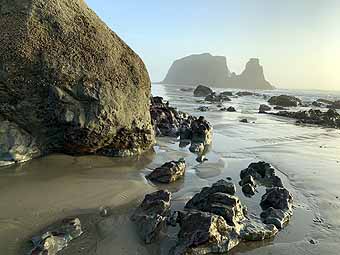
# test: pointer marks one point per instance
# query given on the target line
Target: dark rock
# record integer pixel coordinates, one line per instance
(264, 108)
(57, 237)
(246, 93)
(151, 216)
(201, 131)
(331, 118)
(285, 101)
(197, 148)
(226, 93)
(217, 98)
(244, 120)
(219, 199)
(255, 230)
(261, 172)
(278, 198)
(280, 108)
(204, 233)
(248, 190)
(70, 82)
(277, 217)
(202, 91)
(203, 108)
(231, 109)
(169, 172)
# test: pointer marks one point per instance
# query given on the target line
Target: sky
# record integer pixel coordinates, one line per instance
(297, 41)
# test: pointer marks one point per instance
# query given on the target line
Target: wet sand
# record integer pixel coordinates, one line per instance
(307, 158)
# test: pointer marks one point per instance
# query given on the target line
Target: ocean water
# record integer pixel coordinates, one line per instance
(307, 158)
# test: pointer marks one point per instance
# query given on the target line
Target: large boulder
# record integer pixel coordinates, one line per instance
(69, 82)
(285, 101)
(202, 91)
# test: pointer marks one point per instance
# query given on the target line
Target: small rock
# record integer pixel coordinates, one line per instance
(169, 172)
(248, 190)
(244, 120)
(264, 108)
(231, 109)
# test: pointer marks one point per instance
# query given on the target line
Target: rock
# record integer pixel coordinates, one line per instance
(277, 217)
(231, 109)
(285, 101)
(70, 82)
(167, 121)
(280, 108)
(201, 131)
(187, 89)
(169, 172)
(278, 198)
(255, 230)
(203, 108)
(261, 172)
(244, 120)
(202, 91)
(197, 148)
(335, 105)
(16, 145)
(246, 93)
(213, 70)
(226, 93)
(264, 108)
(204, 233)
(219, 199)
(57, 237)
(248, 190)
(217, 98)
(331, 118)
(151, 216)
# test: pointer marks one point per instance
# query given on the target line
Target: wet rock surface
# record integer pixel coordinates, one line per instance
(169, 172)
(202, 91)
(264, 108)
(285, 101)
(204, 233)
(255, 230)
(150, 217)
(217, 98)
(93, 101)
(331, 118)
(57, 237)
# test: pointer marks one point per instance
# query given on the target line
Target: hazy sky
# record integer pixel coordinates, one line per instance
(298, 41)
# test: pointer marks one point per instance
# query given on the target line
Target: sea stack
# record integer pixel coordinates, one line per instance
(213, 71)
(68, 83)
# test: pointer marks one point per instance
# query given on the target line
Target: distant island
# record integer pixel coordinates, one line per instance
(213, 71)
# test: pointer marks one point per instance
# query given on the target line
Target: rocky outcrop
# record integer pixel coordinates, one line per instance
(285, 101)
(69, 82)
(169, 172)
(204, 233)
(202, 91)
(151, 215)
(213, 71)
(57, 238)
(331, 118)
(264, 108)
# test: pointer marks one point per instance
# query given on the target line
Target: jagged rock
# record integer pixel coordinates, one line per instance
(201, 131)
(219, 199)
(248, 190)
(151, 216)
(213, 70)
(16, 145)
(169, 172)
(70, 82)
(203, 108)
(278, 198)
(261, 172)
(197, 148)
(255, 230)
(57, 237)
(277, 217)
(202, 91)
(204, 233)
(217, 98)
(167, 121)
(264, 108)
(285, 101)
(331, 118)
(244, 120)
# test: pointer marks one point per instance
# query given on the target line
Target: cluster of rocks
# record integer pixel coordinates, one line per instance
(57, 237)
(325, 103)
(217, 98)
(214, 220)
(168, 172)
(331, 118)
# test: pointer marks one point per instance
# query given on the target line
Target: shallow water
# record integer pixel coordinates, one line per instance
(307, 158)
